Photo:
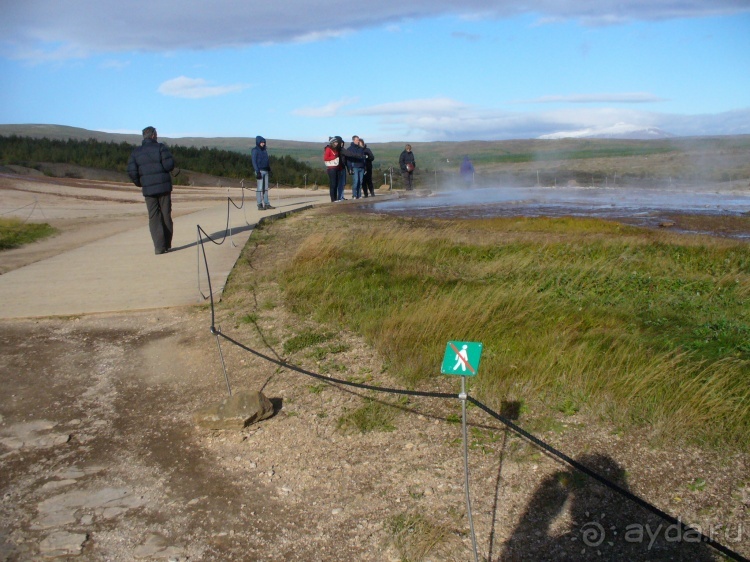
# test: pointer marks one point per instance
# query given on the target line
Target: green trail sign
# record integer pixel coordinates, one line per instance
(461, 358)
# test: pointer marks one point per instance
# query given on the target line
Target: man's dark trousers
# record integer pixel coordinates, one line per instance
(160, 221)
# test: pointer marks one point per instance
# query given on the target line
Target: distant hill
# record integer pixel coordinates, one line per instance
(586, 161)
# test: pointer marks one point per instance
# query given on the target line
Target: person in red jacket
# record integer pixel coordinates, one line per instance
(334, 162)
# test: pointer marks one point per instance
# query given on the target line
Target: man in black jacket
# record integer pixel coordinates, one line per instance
(149, 167)
(369, 157)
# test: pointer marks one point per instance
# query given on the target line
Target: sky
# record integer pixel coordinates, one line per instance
(424, 70)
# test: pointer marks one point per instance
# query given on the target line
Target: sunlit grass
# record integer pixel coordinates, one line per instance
(576, 314)
(14, 233)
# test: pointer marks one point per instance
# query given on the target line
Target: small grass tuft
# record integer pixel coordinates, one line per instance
(317, 388)
(373, 416)
(249, 319)
(415, 536)
(305, 339)
(15, 233)
(697, 485)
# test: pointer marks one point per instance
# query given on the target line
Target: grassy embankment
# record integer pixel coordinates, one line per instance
(639, 327)
(14, 233)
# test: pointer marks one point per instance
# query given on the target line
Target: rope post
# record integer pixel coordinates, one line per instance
(198, 247)
(462, 358)
(463, 397)
(216, 333)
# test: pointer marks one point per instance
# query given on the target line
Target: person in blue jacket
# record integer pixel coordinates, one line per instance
(467, 171)
(262, 167)
(149, 168)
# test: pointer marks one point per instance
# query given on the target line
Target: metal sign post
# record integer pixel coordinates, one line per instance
(462, 358)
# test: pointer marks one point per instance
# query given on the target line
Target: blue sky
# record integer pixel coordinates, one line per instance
(426, 70)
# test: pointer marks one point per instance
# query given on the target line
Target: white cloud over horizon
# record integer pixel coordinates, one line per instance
(196, 88)
(328, 110)
(624, 97)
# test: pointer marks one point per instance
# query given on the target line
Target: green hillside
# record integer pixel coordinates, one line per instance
(696, 160)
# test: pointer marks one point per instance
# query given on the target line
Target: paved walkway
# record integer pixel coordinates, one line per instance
(121, 272)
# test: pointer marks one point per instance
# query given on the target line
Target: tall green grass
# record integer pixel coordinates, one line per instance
(574, 314)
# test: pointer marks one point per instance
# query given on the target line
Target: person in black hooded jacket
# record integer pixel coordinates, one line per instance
(262, 166)
(149, 168)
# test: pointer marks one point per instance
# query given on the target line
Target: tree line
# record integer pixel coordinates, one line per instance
(91, 153)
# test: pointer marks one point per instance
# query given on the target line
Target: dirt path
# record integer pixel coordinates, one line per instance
(100, 458)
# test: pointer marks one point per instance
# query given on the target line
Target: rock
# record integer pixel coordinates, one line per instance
(235, 412)
(157, 546)
(33, 435)
(55, 484)
(62, 543)
(62, 509)
(666, 224)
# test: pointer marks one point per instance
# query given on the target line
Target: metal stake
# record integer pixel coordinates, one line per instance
(463, 397)
(223, 365)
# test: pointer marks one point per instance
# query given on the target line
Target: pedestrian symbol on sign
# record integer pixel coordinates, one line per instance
(461, 358)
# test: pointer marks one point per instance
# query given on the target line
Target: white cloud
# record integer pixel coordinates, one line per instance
(331, 109)
(41, 53)
(433, 106)
(315, 36)
(625, 97)
(470, 37)
(195, 88)
(115, 64)
(89, 26)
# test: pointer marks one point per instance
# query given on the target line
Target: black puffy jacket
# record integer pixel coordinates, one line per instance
(149, 166)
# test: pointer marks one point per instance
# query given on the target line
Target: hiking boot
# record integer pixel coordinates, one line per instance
(261, 207)
(270, 207)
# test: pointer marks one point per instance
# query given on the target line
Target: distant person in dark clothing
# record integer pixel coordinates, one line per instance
(355, 163)
(149, 168)
(467, 171)
(369, 158)
(262, 167)
(407, 163)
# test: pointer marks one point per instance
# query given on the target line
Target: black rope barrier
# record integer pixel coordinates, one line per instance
(609, 484)
(445, 395)
(513, 427)
(19, 208)
(318, 376)
(33, 206)
(202, 249)
(227, 230)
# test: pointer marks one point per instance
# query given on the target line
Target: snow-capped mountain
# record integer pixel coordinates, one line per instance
(617, 131)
